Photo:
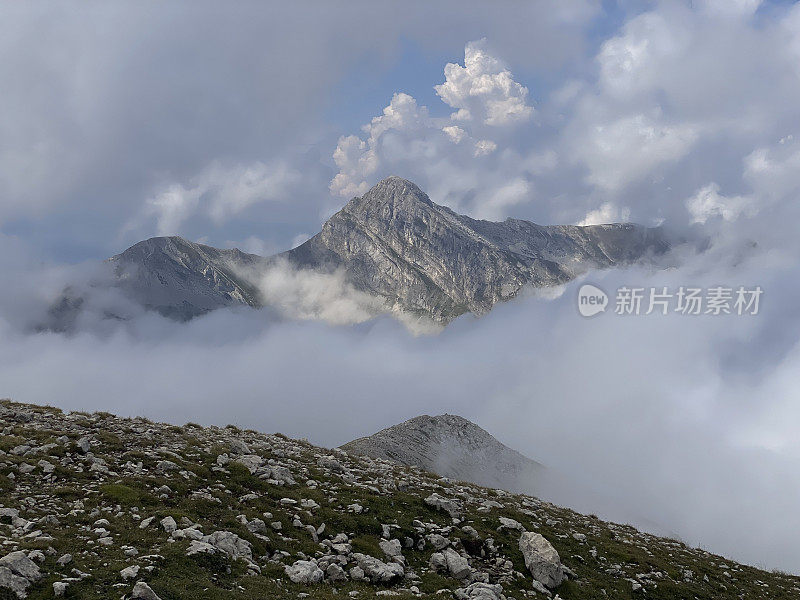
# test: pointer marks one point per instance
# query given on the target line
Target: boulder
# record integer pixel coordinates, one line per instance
(541, 559)
(142, 591)
(456, 564)
(480, 591)
(231, 544)
(19, 564)
(393, 550)
(451, 506)
(378, 571)
(304, 571)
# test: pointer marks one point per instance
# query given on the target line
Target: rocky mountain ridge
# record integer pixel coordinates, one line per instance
(393, 244)
(453, 447)
(95, 506)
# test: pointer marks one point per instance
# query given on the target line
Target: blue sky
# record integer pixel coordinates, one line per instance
(97, 124)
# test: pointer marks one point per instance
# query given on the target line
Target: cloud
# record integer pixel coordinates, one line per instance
(219, 193)
(462, 161)
(483, 89)
(310, 295)
(708, 202)
(626, 150)
(607, 213)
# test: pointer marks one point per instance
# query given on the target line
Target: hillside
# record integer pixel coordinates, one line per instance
(451, 446)
(95, 506)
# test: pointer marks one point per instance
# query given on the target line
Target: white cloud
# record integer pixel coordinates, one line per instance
(483, 89)
(628, 149)
(484, 147)
(456, 133)
(311, 295)
(219, 193)
(606, 213)
(359, 159)
(708, 203)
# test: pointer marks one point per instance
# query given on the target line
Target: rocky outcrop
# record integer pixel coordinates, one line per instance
(423, 258)
(454, 447)
(541, 559)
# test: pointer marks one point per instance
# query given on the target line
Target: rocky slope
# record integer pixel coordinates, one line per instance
(453, 447)
(94, 506)
(182, 280)
(421, 257)
(393, 244)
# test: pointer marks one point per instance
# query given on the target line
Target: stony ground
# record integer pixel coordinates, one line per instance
(95, 506)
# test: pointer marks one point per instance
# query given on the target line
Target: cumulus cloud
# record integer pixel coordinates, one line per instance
(219, 193)
(460, 161)
(606, 213)
(483, 89)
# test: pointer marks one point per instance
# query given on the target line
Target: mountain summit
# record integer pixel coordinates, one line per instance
(392, 244)
(453, 447)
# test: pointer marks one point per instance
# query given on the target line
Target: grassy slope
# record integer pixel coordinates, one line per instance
(607, 562)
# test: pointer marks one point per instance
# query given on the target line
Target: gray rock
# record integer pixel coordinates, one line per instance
(335, 573)
(142, 591)
(169, 524)
(197, 547)
(392, 549)
(450, 505)
(457, 565)
(19, 564)
(378, 571)
(84, 444)
(304, 571)
(231, 544)
(129, 572)
(480, 591)
(541, 559)
(14, 582)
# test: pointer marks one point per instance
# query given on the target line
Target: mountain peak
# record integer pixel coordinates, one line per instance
(451, 446)
(401, 195)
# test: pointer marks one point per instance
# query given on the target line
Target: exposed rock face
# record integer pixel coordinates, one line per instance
(393, 244)
(541, 559)
(452, 447)
(183, 280)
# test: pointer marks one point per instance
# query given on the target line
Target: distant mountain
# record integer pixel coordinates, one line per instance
(421, 257)
(393, 244)
(182, 280)
(453, 447)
